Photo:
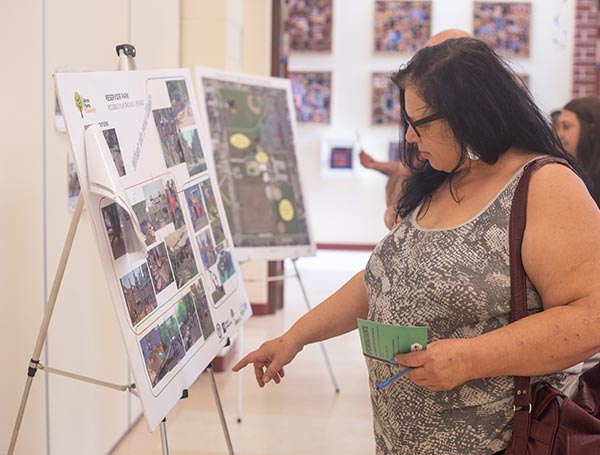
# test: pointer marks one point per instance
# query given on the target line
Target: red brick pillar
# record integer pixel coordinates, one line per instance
(584, 62)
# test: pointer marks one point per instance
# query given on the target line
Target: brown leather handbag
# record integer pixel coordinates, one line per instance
(545, 421)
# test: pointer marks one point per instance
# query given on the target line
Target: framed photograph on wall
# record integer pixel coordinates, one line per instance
(503, 25)
(309, 25)
(401, 26)
(338, 157)
(312, 96)
(385, 100)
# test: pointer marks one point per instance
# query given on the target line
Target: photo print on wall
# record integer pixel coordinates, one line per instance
(503, 25)
(401, 26)
(309, 25)
(385, 96)
(338, 157)
(312, 96)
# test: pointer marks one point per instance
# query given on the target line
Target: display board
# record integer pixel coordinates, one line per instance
(253, 143)
(162, 232)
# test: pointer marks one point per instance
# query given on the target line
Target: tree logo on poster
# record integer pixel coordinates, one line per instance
(79, 103)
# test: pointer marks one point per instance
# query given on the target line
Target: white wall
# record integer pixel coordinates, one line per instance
(350, 210)
(63, 416)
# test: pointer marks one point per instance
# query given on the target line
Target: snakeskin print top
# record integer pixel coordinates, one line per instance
(455, 281)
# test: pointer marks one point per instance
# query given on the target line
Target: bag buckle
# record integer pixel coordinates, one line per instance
(522, 408)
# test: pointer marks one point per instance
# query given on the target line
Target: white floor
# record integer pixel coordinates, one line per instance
(303, 415)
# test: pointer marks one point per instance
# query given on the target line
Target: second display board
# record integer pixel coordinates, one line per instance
(252, 129)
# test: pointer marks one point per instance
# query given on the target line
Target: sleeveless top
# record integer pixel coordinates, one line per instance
(455, 281)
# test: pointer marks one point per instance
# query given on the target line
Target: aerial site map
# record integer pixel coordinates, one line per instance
(253, 145)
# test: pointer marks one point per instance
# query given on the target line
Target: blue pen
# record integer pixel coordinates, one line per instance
(391, 379)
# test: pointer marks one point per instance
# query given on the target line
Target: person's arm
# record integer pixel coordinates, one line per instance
(385, 167)
(561, 256)
(334, 316)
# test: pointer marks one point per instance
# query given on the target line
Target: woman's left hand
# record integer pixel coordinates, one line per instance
(445, 364)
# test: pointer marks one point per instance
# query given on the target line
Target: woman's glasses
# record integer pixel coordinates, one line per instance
(414, 123)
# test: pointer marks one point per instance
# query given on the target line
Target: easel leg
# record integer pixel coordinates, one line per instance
(35, 358)
(163, 437)
(325, 356)
(240, 382)
(213, 384)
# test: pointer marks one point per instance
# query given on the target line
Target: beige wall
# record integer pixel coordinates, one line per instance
(84, 336)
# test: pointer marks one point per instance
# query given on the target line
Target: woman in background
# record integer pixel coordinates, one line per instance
(579, 132)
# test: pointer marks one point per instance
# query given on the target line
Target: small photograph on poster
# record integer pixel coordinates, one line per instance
(192, 151)
(118, 225)
(154, 355)
(139, 294)
(166, 124)
(189, 325)
(180, 103)
(401, 26)
(141, 214)
(209, 200)
(312, 96)
(181, 256)
(503, 25)
(337, 157)
(160, 269)
(172, 344)
(309, 25)
(225, 265)
(196, 207)
(385, 96)
(219, 290)
(156, 205)
(173, 204)
(217, 230)
(201, 303)
(207, 248)
(73, 188)
(115, 150)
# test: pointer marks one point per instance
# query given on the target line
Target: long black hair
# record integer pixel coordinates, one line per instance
(587, 111)
(483, 102)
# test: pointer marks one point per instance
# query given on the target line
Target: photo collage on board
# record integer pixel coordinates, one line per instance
(168, 296)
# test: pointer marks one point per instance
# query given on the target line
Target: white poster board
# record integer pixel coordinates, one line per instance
(252, 127)
(159, 221)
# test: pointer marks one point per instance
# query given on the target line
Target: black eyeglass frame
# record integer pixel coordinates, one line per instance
(414, 123)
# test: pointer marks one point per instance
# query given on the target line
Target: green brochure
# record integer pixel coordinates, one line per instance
(384, 341)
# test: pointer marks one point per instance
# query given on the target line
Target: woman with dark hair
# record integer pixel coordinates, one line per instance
(577, 125)
(470, 129)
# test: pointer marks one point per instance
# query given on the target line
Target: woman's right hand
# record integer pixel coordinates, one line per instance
(270, 358)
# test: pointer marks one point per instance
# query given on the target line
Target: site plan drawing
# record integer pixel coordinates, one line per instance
(251, 123)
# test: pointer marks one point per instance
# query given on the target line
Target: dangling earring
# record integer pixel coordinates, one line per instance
(471, 154)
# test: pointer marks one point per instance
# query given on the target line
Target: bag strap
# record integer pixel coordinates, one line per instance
(518, 295)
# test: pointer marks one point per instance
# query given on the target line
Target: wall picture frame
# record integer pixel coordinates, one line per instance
(401, 26)
(338, 157)
(385, 100)
(504, 25)
(312, 96)
(309, 25)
